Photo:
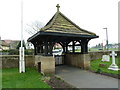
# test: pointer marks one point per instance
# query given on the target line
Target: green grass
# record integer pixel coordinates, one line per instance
(95, 66)
(11, 78)
(0, 79)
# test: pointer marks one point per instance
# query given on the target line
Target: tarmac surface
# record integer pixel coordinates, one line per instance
(85, 79)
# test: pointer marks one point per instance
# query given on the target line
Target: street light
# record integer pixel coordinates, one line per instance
(106, 39)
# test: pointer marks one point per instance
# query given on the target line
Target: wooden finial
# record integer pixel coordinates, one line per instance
(58, 7)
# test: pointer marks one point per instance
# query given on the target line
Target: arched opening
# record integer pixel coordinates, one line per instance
(57, 53)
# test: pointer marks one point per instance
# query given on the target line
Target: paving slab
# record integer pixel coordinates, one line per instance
(85, 79)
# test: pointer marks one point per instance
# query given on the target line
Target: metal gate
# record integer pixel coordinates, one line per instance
(59, 59)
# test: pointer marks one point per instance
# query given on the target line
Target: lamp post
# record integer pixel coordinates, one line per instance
(21, 49)
(106, 39)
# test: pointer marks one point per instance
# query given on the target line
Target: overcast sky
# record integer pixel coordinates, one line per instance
(91, 15)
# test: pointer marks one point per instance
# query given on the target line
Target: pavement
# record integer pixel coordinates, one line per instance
(85, 79)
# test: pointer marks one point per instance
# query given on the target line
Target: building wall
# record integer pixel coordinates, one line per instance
(11, 61)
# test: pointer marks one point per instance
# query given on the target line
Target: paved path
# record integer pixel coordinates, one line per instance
(85, 79)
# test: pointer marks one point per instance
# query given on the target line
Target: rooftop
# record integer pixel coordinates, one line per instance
(60, 25)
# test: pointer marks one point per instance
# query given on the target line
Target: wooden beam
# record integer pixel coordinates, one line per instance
(75, 45)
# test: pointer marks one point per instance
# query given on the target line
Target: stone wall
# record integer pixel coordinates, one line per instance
(11, 61)
(98, 55)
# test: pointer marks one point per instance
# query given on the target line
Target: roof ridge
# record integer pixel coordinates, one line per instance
(51, 21)
(76, 25)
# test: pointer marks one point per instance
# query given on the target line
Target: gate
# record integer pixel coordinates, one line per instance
(59, 59)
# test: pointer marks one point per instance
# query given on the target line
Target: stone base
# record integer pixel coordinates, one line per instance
(113, 67)
(47, 64)
(78, 60)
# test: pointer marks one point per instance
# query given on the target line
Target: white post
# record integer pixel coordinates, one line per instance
(23, 60)
(21, 49)
(20, 62)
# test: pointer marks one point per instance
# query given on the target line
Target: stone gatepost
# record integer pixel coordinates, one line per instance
(46, 64)
(78, 60)
(85, 61)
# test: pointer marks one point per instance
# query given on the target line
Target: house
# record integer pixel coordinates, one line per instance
(8, 44)
(4, 45)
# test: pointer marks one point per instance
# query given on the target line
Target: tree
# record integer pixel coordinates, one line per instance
(34, 27)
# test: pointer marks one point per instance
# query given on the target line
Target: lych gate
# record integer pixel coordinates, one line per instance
(61, 30)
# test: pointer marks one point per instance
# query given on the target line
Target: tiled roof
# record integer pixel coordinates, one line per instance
(60, 23)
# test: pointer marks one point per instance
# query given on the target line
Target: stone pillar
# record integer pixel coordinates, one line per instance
(78, 60)
(85, 61)
(47, 64)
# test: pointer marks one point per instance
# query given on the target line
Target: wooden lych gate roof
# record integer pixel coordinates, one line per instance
(60, 25)
(60, 30)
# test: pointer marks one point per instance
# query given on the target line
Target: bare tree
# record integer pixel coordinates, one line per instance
(34, 27)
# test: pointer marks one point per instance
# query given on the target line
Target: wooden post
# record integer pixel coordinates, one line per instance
(73, 46)
(84, 47)
(41, 49)
(66, 47)
(46, 48)
(63, 46)
(35, 49)
(51, 47)
(63, 49)
(38, 49)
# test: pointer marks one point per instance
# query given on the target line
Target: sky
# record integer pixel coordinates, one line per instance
(91, 15)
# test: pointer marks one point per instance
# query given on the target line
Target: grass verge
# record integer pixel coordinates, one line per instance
(11, 78)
